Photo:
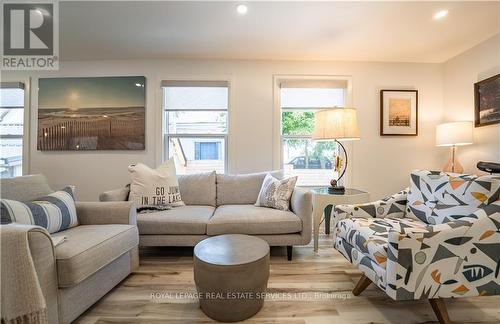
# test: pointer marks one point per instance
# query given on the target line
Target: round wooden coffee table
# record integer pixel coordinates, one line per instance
(231, 273)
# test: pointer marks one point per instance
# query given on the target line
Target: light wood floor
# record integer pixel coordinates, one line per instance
(315, 288)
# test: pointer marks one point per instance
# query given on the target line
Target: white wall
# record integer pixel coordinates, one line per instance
(460, 74)
(379, 164)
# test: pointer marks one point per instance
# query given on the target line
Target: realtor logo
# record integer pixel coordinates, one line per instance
(30, 41)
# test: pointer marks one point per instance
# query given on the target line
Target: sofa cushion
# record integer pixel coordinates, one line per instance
(178, 220)
(88, 248)
(370, 235)
(198, 189)
(25, 188)
(438, 197)
(235, 189)
(250, 219)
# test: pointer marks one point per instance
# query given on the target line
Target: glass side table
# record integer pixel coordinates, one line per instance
(323, 202)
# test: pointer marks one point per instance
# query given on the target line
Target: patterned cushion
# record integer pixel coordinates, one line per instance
(370, 235)
(54, 212)
(276, 193)
(437, 197)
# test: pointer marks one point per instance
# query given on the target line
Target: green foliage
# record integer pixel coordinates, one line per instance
(297, 123)
(302, 123)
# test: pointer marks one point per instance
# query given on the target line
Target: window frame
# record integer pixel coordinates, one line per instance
(25, 86)
(194, 82)
(278, 137)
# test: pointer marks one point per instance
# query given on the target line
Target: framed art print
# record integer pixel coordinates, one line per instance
(398, 112)
(91, 113)
(487, 101)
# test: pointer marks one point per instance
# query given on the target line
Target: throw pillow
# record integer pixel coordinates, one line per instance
(154, 186)
(437, 197)
(276, 193)
(55, 212)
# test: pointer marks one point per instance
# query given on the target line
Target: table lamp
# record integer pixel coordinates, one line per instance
(454, 134)
(333, 125)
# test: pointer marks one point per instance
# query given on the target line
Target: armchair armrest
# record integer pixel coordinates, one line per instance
(301, 205)
(99, 213)
(115, 195)
(392, 206)
(454, 259)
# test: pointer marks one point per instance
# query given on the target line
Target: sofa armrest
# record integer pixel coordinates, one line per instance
(115, 195)
(99, 213)
(455, 259)
(392, 206)
(42, 253)
(301, 205)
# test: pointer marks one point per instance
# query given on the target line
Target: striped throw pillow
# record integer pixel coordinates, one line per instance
(55, 212)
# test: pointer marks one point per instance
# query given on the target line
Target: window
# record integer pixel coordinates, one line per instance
(311, 161)
(207, 150)
(196, 124)
(11, 129)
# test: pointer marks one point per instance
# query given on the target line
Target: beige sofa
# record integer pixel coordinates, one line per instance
(97, 254)
(223, 204)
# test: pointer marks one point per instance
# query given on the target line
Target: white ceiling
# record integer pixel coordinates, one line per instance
(352, 31)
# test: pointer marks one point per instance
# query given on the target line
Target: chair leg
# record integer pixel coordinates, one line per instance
(362, 284)
(289, 252)
(440, 310)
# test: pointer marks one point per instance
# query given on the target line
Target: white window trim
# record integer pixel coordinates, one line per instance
(277, 137)
(26, 121)
(162, 124)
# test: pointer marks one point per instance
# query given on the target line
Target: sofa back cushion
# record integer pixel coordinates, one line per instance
(241, 189)
(437, 197)
(198, 189)
(25, 188)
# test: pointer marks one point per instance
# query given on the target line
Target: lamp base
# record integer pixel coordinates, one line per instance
(453, 165)
(338, 190)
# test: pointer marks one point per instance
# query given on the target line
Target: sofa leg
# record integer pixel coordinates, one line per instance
(440, 310)
(362, 284)
(289, 252)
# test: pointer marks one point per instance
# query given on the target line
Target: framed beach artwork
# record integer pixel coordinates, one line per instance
(487, 101)
(398, 112)
(91, 113)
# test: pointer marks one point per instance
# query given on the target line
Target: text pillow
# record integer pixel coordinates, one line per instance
(55, 212)
(276, 193)
(154, 186)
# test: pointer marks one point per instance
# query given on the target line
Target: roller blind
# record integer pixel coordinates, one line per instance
(316, 84)
(194, 83)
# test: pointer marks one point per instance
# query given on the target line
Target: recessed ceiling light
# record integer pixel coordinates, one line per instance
(440, 14)
(242, 9)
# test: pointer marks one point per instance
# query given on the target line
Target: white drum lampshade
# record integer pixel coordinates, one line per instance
(454, 134)
(336, 124)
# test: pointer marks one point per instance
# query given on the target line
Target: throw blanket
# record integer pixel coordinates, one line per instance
(22, 298)
(143, 209)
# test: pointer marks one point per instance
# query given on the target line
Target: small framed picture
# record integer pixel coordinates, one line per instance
(487, 101)
(398, 112)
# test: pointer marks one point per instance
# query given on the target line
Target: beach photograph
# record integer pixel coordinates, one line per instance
(91, 113)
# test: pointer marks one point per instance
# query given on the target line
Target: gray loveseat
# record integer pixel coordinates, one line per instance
(223, 204)
(97, 254)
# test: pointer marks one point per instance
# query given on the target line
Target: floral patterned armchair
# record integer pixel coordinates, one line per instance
(439, 238)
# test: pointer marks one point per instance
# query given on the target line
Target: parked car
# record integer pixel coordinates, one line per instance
(299, 162)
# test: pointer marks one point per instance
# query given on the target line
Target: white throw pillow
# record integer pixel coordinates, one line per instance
(276, 193)
(154, 186)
